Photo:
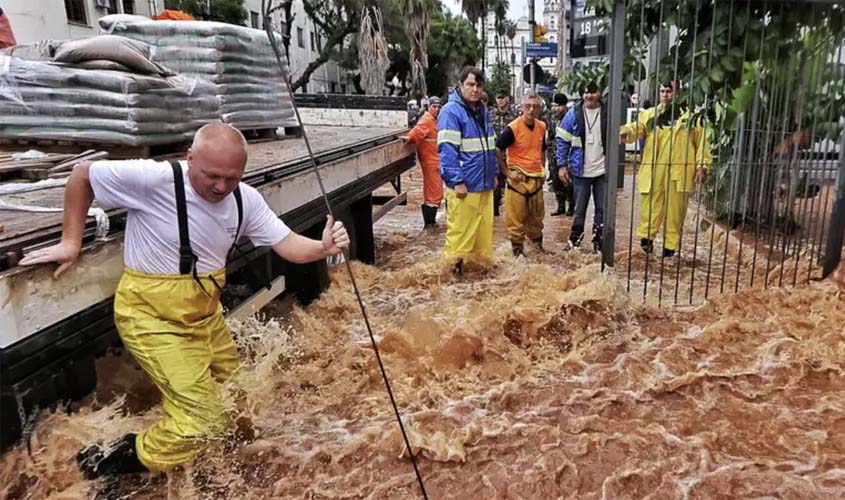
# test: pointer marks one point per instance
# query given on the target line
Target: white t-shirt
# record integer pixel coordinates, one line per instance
(593, 147)
(151, 245)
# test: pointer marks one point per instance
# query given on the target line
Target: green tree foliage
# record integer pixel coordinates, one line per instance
(452, 44)
(224, 11)
(500, 81)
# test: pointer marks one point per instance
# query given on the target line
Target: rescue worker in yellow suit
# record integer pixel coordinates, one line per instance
(675, 160)
(524, 142)
(181, 225)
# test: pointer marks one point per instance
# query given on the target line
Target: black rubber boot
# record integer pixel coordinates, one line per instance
(647, 245)
(561, 209)
(518, 249)
(597, 237)
(668, 252)
(429, 216)
(118, 458)
(538, 243)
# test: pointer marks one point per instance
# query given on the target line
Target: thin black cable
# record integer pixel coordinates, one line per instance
(266, 6)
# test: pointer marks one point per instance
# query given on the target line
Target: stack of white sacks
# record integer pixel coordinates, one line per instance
(238, 61)
(103, 89)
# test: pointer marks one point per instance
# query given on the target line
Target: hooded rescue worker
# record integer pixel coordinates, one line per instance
(466, 143)
(503, 114)
(524, 142)
(424, 136)
(675, 160)
(183, 219)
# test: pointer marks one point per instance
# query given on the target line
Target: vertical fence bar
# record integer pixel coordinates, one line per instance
(614, 116)
(836, 232)
(823, 209)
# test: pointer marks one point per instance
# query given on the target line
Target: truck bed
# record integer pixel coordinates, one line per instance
(263, 156)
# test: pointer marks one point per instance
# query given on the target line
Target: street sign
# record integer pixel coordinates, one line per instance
(545, 89)
(541, 49)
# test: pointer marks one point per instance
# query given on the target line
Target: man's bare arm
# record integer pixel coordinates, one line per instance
(78, 198)
(300, 250)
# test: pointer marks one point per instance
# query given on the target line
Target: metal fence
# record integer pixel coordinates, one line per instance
(759, 86)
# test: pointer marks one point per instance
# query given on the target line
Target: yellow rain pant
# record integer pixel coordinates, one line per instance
(651, 219)
(524, 214)
(177, 333)
(469, 226)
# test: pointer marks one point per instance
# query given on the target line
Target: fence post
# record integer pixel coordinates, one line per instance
(613, 156)
(836, 231)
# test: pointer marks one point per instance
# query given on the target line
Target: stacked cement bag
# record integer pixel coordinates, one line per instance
(237, 60)
(45, 99)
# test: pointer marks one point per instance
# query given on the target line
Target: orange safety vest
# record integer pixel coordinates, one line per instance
(526, 152)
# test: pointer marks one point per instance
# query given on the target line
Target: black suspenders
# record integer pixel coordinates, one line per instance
(187, 258)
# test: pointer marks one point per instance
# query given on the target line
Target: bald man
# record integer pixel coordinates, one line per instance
(183, 219)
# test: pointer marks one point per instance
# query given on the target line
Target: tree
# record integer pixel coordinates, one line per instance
(373, 57)
(224, 11)
(417, 18)
(500, 81)
(452, 44)
(476, 10)
(739, 58)
(336, 20)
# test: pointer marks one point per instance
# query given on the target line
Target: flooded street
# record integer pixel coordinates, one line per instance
(541, 378)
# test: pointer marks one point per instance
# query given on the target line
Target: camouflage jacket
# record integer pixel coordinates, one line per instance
(502, 119)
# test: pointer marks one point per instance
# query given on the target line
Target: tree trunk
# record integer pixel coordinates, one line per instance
(330, 43)
(484, 44)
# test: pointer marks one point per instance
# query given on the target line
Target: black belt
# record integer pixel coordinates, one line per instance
(527, 195)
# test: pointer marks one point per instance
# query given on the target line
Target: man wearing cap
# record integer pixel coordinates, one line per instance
(502, 116)
(424, 136)
(563, 190)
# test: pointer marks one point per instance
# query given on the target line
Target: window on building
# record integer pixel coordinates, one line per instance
(342, 88)
(75, 10)
(313, 41)
(128, 6)
(253, 19)
(300, 38)
(319, 43)
(304, 88)
(333, 86)
(513, 59)
(111, 7)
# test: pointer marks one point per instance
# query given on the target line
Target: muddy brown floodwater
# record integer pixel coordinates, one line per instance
(537, 379)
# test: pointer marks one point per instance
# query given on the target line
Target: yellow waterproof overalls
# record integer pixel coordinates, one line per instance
(666, 177)
(174, 327)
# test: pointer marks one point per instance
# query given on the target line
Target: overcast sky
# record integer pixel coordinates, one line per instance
(516, 8)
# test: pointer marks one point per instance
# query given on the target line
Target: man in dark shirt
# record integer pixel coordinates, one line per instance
(520, 150)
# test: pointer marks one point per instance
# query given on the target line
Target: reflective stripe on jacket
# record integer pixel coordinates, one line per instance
(466, 143)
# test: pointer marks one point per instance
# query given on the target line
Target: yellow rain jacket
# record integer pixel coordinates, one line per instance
(673, 151)
(682, 147)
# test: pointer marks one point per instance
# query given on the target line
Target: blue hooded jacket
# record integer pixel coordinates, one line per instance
(466, 143)
(571, 136)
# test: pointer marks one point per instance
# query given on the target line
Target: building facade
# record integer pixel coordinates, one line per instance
(305, 45)
(36, 20)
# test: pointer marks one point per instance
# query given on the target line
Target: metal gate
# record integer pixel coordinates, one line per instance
(759, 86)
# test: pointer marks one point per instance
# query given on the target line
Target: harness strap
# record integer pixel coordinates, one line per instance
(187, 258)
(527, 195)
